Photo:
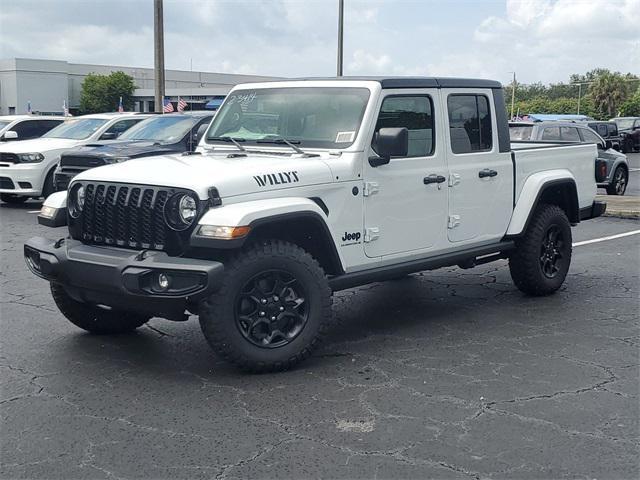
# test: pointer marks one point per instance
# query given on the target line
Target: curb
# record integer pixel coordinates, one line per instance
(621, 207)
(630, 214)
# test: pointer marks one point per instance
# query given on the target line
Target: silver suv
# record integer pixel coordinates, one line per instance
(617, 167)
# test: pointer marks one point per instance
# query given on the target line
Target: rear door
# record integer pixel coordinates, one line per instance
(402, 212)
(480, 177)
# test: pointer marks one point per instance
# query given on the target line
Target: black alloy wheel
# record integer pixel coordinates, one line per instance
(552, 251)
(271, 309)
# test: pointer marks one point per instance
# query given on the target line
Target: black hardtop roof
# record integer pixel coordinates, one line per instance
(415, 82)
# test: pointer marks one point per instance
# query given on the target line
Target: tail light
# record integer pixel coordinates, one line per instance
(601, 171)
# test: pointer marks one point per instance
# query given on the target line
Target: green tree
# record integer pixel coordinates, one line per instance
(631, 108)
(101, 93)
(609, 91)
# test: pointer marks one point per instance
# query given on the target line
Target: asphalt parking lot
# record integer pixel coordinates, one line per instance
(446, 374)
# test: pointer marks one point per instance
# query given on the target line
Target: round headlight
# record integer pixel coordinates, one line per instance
(187, 209)
(76, 200)
(180, 211)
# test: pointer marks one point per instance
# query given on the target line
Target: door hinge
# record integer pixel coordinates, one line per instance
(371, 234)
(370, 188)
(454, 179)
(454, 221)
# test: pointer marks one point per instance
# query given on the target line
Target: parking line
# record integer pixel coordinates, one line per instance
(634, 169)
(604, 239)
(33, 211)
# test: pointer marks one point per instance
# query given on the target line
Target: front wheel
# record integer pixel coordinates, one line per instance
(542, 256)
(94, 318)
(619, 182)
(272, 310)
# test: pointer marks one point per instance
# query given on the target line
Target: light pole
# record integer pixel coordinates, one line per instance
(340, 35)
(158, 55)
(513, 94)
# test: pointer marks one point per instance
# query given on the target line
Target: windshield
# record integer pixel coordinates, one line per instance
(520, 132)
(307, 116)
(624, 123)
(76, 129)
(161, 129)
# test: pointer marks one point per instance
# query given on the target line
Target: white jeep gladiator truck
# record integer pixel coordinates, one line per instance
(303, 188)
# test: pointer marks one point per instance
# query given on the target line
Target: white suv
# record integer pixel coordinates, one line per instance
(26, 167)
(26, 127)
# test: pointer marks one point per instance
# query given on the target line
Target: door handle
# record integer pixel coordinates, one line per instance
(433, 178)
(487, 173)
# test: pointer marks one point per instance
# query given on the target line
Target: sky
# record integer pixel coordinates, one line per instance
(541, 40)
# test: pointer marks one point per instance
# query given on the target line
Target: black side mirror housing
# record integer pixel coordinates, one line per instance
(608, 144)
(389, 142)
(199, 133)
(109, 136)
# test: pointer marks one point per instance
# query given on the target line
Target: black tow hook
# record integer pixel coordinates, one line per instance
(58, 243)
(141, 256)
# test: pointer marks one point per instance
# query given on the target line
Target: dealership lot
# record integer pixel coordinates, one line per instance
(447, 374)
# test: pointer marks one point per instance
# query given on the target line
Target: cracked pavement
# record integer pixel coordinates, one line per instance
(445, 374)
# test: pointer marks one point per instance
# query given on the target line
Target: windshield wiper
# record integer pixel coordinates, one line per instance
(291, 143)
(235, 141)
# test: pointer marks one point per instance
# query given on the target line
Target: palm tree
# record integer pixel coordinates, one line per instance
(608, 91)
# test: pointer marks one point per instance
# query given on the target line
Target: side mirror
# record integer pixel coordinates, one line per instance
(109, 136)
(389, 142)
(200, 133)
(10, 135)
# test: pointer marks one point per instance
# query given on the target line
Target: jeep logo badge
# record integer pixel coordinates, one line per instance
(352, 238)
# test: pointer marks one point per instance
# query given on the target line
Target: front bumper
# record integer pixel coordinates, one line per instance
(27, 179)
(124, 279)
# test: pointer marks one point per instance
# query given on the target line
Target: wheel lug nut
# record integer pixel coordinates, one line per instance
(275, 298)
(282, 309)
(261, 314)
(273, 318)
(263, 301)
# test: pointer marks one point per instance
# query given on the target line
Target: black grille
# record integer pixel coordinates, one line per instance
(6, 183)
(128, 216)
(8, 157)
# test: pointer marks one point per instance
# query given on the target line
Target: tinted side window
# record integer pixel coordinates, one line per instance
(469, 123)
(613, 130)
(27, 129)
(589, 137)
(569, 134)
(415, 113)
(551, 133)
(602, 130)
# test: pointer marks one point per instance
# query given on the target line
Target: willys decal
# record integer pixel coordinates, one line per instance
(279, 178)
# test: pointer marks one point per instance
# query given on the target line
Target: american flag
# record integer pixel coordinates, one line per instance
(120, 106)
(168, 106)
(181, 104)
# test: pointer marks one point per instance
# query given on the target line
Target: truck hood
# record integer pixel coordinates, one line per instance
(123, 148)
(239, 175)
(41, 145)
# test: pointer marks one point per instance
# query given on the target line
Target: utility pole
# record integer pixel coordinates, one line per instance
(513, 94)
(158, 54)
(340, 34)
(579, 95)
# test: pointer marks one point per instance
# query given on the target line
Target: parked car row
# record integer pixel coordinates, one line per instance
(614, 168)
(36, 167)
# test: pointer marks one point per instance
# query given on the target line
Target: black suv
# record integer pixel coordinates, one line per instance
(608, 131)
(171, 133)
(629, 128)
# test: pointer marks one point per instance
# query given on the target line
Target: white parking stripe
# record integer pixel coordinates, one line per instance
(604, 239)
(634, 169)
(33, 211)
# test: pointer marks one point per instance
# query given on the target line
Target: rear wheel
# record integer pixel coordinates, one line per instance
(272, 310)
(542, 257)
(13, 198)
(619, 182)
(93, 318)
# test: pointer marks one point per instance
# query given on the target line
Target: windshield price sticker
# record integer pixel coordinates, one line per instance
(345, 137)
(243, 99)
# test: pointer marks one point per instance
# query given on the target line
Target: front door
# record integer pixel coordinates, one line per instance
(406, 200)
(481, 177)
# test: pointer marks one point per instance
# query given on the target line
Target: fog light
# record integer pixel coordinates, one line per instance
(163, 281)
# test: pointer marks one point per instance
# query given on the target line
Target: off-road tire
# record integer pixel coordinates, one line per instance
(13, 198)
(219, 313)
(619, 182)
(526, 262)
(95, 319)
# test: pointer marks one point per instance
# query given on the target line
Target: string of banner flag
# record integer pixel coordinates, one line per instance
(167, 106)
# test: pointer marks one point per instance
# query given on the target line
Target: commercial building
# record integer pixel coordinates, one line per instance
(47, 84)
